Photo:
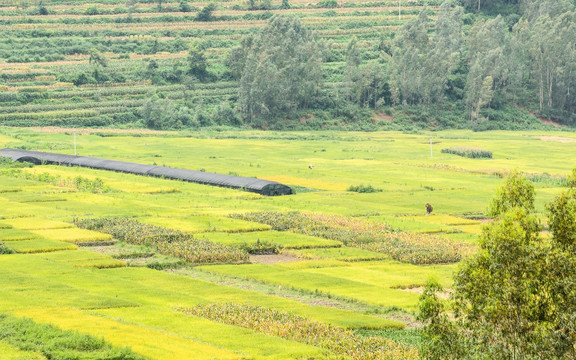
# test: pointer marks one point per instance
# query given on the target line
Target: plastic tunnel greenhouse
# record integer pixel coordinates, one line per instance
(264, 187)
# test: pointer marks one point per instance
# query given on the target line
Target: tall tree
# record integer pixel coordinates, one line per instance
(281, 69)
(421, 64)
(489, 61)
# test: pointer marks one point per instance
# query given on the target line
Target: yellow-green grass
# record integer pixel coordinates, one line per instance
(375, 283)
(40, 245)
(471, 229)
(240, 340)
(444, 219)
(83, 258)
(342, 253)
(8, 352)
(282, 240)
(36, 223)
(16, 234)
(465, 237)
(74, 235)
(41, 280)
(152, 343)
(202, 223)
(411, 223)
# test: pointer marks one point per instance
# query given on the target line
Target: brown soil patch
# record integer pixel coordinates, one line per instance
(557, 139)
(273, 259)
(550, 122)
(382, 116)
(420, 290)
(54, 129)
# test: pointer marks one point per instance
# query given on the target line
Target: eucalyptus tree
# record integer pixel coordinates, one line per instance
(281, 69)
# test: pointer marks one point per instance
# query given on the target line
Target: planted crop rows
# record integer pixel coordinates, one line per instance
(298, 328)
(166, 241)
(402, 246)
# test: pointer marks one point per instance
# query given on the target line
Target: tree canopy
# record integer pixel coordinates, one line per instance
(515, 299)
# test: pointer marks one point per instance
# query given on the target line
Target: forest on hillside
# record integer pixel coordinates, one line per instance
(402, 65)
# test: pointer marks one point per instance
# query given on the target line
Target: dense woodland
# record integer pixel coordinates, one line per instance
(402, 65)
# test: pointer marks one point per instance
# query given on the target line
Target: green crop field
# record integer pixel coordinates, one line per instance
(184, 262)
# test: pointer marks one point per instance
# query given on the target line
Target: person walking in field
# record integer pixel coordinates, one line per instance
(428, 209)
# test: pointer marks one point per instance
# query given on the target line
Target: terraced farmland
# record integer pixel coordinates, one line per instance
(50, 72)
(175, 263)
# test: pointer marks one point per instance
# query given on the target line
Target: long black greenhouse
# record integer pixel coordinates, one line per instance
(264, 187)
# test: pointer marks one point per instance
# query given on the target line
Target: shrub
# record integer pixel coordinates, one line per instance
(364, 189)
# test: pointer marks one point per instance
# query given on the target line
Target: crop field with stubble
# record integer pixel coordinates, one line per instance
(163, 269)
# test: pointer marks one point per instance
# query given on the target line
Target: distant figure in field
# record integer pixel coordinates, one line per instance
(428, 209)
(310, 166)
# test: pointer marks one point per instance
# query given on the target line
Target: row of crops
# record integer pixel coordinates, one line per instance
(414, 248)
(165, 241)
(100, 63)
(297, 328)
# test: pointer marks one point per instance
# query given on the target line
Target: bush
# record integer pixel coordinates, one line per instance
(364, 189)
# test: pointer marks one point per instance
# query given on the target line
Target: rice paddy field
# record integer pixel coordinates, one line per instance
(176, 270)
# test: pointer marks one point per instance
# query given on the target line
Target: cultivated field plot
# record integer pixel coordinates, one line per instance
(340, 258)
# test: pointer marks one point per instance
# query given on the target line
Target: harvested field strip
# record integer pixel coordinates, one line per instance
(298, 328)
(40, 245)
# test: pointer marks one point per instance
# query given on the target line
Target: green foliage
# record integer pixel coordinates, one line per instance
(96, 186)
(297, 328)
(364, 189)
(55, 343)
(469, 152)
(281, 69)
(5, 249)
(517, 192)
(166, 241)
(206, 13)
(8, 163)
